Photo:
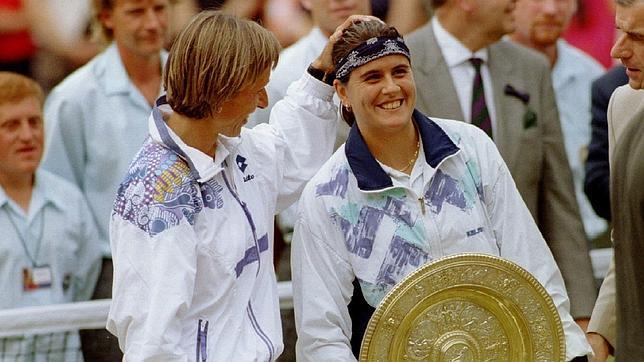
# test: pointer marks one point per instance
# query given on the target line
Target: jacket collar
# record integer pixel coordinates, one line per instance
(569, 66)
(202, 166)
(115, 78)
(371, 177)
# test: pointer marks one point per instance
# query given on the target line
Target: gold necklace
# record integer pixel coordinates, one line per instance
(413, 159)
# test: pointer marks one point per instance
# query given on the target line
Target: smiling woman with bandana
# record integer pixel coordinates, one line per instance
(402, 191)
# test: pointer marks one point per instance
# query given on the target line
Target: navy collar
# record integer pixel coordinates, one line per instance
(371, 177)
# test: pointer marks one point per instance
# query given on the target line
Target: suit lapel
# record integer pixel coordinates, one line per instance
(634, 99)
(439, 99)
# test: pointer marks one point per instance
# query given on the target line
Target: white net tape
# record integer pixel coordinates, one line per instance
(81, 315)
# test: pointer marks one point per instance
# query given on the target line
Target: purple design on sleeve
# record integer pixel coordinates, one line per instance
(158, 191)
(251, 254)
(337, 186)
(401, 259)
(444, 189)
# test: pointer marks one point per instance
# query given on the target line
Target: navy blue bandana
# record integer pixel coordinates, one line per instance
(371, 49)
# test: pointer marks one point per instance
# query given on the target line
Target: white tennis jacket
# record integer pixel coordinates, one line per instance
(356, 223)
(192, 236)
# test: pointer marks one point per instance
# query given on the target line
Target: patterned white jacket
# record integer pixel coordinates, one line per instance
(356, 223)
(192, 238)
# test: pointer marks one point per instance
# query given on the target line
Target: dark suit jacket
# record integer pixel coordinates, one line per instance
(596, 182)
(534, 154)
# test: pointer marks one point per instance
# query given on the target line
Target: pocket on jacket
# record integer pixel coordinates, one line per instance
(202, 341)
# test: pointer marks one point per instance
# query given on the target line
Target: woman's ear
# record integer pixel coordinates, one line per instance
(341, 90)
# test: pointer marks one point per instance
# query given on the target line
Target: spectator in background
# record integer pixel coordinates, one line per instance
(70, 21)
(99, 117)
(465, 71)
(406, 15)
(29, 25)
(48, 248)
(597, 180)
(16, 42)
(285, 18)
(539, 25)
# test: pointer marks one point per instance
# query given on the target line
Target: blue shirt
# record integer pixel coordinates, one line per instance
(97, 122)
(572, 76)
(58, 232)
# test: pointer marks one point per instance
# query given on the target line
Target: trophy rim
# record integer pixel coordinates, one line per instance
(464, 259)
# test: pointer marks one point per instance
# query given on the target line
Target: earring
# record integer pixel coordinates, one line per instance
(347, 107)
(218, 110)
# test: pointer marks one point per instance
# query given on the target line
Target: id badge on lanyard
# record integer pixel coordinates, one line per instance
(36, 276)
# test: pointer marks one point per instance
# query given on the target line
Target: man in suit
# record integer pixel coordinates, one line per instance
(540, 26)
(518, 111)
(621, 294)
(601, 328)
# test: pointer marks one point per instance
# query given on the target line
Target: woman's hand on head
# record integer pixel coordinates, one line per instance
(325, 61)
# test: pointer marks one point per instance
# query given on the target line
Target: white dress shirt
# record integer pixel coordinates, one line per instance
(457, 57)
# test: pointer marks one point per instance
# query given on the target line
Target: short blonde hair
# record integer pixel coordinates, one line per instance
(16, 87)
(212, 59)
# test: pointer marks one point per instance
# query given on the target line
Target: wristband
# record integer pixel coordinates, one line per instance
(321, 75)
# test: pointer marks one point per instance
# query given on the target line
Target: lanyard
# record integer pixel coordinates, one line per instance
(22, 238)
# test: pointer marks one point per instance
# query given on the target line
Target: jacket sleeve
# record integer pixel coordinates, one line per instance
(520, 241)
(322, 289)
(154, 279)
(604, 318)
(558, 215)
(65, 151)
(304, 124)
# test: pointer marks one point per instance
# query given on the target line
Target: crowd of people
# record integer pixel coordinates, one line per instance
(383, 134)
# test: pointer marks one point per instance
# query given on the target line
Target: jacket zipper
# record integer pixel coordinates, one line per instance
(202, 341)
(256, 327)
(249, 218)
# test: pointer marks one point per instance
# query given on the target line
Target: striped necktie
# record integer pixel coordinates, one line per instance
(480, 115)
